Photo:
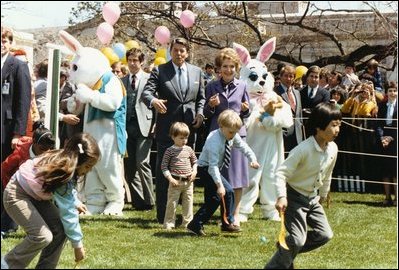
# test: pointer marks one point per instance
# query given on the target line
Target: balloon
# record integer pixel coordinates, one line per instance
(300, 71)
(110, 54)
(130, 44)
(105, 32)
(187, 18)
(111, 13)
(161, 52)
(123, 60)
(119, 49)
(159, 60)
(162, 34)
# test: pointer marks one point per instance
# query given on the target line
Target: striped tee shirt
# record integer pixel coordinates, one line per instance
(178, 161)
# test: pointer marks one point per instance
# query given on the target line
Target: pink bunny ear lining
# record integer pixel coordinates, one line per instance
(267, 50)
(69, 41)
(242, 53)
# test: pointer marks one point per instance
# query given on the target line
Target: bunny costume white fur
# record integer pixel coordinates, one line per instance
(264, 136)
(103, 190)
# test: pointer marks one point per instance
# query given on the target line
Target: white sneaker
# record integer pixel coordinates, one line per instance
(4, 264)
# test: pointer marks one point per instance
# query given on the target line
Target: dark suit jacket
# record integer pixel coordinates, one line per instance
(144, 114)
(297, 128)
(163, 84)
(15, 105)
(322, 95)
(381, 124)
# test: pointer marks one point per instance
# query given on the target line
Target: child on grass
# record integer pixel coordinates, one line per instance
(179, 166)
(214, 156)
(26, 148)
(303, 182)
(28, 200)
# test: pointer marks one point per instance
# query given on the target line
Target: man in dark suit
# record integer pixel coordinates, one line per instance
(312, 94)
(294, 134)
(139, 123)
(15, 96)
(175, 89)
(15, 106)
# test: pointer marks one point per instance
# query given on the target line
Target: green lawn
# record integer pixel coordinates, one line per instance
(365, 236)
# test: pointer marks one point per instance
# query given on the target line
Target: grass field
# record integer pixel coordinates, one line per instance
(365, 236)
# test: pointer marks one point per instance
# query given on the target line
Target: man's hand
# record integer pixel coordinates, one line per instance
(214, 100)
(15, 141)
(71, 119)
(159, 105)
(198, 121)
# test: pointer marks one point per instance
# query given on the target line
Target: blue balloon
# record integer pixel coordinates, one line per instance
(119, 49)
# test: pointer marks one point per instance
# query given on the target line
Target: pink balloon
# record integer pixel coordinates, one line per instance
(111, 13)
(187, 18)
(162, 34)
(105, 32)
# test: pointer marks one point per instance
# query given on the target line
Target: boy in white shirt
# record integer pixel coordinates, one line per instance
(303, 182)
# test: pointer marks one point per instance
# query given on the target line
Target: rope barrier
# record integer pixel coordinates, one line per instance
(363, 181)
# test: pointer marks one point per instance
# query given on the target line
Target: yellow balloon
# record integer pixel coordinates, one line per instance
(110, 54)
(161, 52)
(123, 60)
(131, 44)
(159, 60)
(300, 71)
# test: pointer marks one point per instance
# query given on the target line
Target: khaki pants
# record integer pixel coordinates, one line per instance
(186, 189)
(42, 224)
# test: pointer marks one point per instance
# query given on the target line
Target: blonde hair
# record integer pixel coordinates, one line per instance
(229, 54)
(57, 167)
(179, 128)
(230, 119)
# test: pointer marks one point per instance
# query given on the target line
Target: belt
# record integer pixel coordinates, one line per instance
(182, 178)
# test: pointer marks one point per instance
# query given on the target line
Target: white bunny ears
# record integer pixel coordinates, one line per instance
(72, 43)
(264, 54)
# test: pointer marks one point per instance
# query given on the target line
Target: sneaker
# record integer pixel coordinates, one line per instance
(199, 231)
(230, 228)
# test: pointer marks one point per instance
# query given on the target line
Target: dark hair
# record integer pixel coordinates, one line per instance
(57, 167)
(208, 66)
(42, 136)
(7, 33)
(136, 52)
(322, 115)
(42, 68)
(181, 41)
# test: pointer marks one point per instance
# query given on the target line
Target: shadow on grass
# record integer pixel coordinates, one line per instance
(368, 203)
(125, 222)
(180, 234)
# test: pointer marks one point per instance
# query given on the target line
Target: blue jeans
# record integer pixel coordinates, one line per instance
(212, 200)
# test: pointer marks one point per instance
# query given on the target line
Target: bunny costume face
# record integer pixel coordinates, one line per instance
(254, 71)
(88, 65)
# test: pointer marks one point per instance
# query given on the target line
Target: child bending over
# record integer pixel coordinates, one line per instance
(28, 200)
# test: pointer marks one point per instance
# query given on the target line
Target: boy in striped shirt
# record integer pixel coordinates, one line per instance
(179, 166)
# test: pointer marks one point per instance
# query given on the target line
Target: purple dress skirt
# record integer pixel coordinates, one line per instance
(237, 173)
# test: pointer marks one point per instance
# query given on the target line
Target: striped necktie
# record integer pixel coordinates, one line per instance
(227, 154)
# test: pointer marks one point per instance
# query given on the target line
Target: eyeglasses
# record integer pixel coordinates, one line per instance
(253, 76)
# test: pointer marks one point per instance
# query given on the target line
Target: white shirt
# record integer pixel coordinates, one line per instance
(307, 169)
(314, 91)
(391, 108)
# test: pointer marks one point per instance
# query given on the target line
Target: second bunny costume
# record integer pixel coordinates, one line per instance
(104, 118)
(264, 132)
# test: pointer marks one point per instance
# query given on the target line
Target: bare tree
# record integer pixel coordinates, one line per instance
(218, 24)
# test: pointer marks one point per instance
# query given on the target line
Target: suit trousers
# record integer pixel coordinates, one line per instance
(212, 200)
(137, 167)
(42, 224)
(301, 212)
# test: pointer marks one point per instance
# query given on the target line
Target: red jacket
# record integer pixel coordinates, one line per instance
(12, 162)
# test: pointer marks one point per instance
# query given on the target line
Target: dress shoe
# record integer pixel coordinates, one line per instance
(230, 228)
(199, 231)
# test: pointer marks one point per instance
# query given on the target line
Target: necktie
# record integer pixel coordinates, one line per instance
(133, 84)
(291, 99)
(227, 154)
(311, 92)
(182, 82)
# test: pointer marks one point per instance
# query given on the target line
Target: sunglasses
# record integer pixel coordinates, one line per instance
(253, 76)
